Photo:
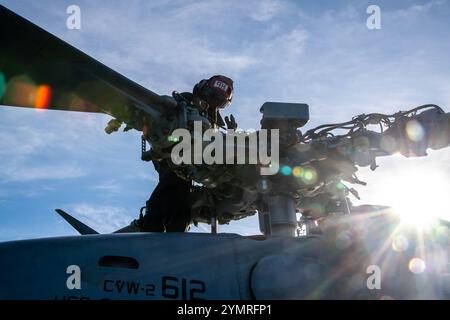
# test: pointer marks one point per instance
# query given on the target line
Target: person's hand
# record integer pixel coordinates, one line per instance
(231, 122)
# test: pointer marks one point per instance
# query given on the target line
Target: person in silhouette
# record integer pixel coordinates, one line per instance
(168, 208)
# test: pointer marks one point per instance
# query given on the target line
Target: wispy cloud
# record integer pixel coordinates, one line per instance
(23, 140)
(110, 186)
(43, 172)
(265, 10)
(102, 218)
(416, 9)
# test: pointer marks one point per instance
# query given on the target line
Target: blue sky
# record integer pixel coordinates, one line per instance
(317, 52)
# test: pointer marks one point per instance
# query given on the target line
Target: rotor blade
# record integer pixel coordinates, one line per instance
(38, 70)
(76, 224)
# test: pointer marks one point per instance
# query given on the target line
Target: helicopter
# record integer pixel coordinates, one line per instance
(341, 255)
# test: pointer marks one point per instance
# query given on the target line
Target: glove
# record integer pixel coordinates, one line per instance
(231, 122)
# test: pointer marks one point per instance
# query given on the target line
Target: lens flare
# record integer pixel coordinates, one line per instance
(20, 91)
(264, 185)
(400, 243)
(340, 186)
(286, 170)
(2, 85)
(42, 97)
(297, 172)
(416, 265)
(414, 130)
(172, 138)
(309, 175)
(343, 240)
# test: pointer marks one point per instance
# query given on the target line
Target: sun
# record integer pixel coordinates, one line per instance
(418, 196)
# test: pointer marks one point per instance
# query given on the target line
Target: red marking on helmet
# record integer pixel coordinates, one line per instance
(222, 85)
